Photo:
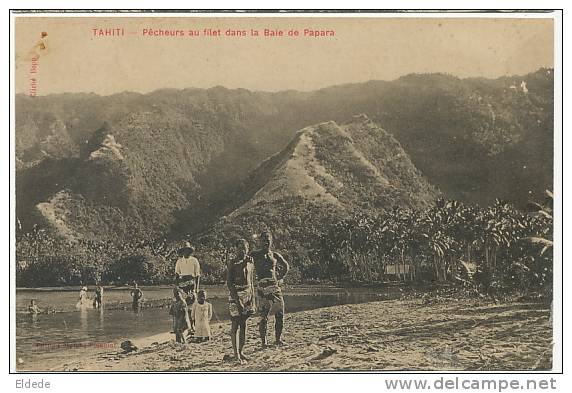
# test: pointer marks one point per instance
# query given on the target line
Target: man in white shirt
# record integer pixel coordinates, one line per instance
(188, 272)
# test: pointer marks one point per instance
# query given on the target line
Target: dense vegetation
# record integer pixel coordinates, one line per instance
(136, 174)
(184, 151)
(494, 250)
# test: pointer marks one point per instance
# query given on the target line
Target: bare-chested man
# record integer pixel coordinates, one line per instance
(270, 268)
(240, 282)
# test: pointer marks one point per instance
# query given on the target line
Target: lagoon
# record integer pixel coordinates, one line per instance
(47, 340)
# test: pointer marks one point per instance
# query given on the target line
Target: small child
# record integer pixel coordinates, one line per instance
(181, 316)
(201, 313)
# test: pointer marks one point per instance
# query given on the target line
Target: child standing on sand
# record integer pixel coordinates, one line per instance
(201, 313)
(181, 316)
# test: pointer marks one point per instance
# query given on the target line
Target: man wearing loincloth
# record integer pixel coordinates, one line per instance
(188, 273)
(271, 268)
(241, 301)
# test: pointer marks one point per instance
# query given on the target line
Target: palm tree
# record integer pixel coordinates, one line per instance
(545, 210)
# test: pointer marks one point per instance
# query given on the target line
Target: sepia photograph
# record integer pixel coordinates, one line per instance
(284, 191)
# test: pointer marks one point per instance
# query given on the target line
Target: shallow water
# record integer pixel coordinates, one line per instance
(46, 341)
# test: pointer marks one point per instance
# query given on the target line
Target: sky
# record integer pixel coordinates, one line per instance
(71, 58)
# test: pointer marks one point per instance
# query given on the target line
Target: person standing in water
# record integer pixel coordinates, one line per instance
(271, 268)
(82, 302)
(136, 297)
(33, 311)
(98, 297)
(241, 300)
(33, 308)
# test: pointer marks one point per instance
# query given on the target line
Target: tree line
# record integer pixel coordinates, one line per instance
(494, 249)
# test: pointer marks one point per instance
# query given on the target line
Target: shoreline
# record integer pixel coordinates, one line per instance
(416, 334)
(375, 285)
(385, 292)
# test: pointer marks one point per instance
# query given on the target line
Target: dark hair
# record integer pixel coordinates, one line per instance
(267, 234)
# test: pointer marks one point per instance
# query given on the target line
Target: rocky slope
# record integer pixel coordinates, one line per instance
(172, 160)
(326, 172)
(352, 166)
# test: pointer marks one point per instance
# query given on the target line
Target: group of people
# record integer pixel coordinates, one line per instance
(192, 312)
(265, 266)
(82, 303)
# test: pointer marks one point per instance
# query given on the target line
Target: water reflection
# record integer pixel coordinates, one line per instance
(101, 316)
(34, 319)
(113, 324)
(83, 319)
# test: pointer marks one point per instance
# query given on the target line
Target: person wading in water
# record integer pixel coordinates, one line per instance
(271, 268)
(241, 301)
(136, 297)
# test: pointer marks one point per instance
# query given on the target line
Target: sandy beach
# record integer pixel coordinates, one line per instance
(417, 334)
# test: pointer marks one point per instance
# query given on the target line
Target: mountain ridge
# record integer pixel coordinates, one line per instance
(187, 151)
(300, 170)
(321, 177)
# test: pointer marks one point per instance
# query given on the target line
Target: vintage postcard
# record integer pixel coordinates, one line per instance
(285, 192)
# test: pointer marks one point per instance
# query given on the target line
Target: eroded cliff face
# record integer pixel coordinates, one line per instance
(175, 161)
(327, 172)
